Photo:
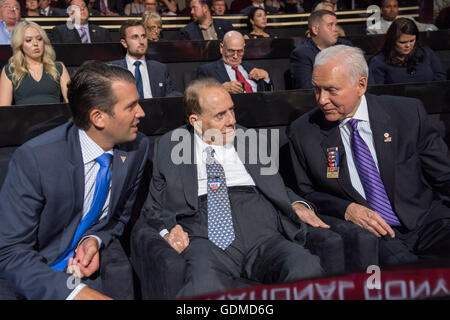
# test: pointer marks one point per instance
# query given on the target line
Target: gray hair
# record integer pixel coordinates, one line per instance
(351, 58)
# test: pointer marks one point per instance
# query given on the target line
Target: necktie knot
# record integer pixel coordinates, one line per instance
(354, 124)
(137, 64)
(104, 160)
(210, 155)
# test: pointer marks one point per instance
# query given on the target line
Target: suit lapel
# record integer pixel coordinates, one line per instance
(119, 171)
(222, 72)
(153, 82)
(92, 33)
(188, 173)
(385, 139)
(75, 171)
(332, 138)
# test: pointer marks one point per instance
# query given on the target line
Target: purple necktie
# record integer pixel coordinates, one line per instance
(370, 177)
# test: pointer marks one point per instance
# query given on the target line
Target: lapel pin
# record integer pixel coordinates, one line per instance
(333, 163)
(123, 158)
(387, 138)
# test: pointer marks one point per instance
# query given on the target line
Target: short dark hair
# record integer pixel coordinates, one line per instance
(91, 88)
(251, 15)
(207, 3)
(398, 27)
(127, 24)
(191, 99)
(317, 16)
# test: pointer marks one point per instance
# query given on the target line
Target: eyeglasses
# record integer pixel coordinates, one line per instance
(14, 8)
(154, 28)
(232, 52)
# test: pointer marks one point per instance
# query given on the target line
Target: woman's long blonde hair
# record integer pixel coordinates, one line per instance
(18, 64)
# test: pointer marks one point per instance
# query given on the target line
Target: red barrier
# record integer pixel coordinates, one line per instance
(393, 285)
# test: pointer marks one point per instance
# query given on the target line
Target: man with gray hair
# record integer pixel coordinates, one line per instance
(9, 16)
(373, 160)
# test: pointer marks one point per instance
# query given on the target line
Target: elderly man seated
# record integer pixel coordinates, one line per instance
(9, 16)
(236, 76)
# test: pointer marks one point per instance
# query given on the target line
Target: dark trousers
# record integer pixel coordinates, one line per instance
(429, 241)
(259, 253)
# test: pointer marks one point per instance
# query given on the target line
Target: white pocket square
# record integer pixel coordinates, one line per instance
(160, 84)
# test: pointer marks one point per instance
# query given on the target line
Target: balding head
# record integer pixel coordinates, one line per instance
(9, 12)
(232, 48)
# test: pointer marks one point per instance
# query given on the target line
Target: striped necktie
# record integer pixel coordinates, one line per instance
(370, 177)
(84, 36)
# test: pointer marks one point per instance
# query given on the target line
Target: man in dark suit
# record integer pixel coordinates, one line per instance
(322, 26)
(46, 10)
(70, 191)
(374, 161)
(153, 80)
(258, 4)
(236, 76)
(109, 7)
(204, 27)
(211, 187)
(82, 31)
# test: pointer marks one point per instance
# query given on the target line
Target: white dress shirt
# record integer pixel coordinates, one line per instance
(227, 156)
(90, 151)
(144, 74)
(362, 114)
(232, 74)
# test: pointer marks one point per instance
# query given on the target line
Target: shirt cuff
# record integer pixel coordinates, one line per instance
(163, 232)
(267, 81)
(98, 240)
(76, 291)
(305, 203)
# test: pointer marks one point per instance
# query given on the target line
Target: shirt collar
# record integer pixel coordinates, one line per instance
(130, 61)
(202, 145)
(89, 149)
(362, 114)
(78, 26)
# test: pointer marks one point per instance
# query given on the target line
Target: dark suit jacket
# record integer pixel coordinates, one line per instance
(413, 165)
(113, 5)
(216, 70)
(302, 62)
(173, 192)
(41, 203)
(56, 12)
(161, 83)
(192, 30)
(62, 34)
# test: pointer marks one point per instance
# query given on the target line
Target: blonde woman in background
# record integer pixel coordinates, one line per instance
(153, 25)
(32, 76)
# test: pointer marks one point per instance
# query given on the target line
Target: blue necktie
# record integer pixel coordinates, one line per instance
(220, 223)
(138, 77)
(370, 177)
(100, 194)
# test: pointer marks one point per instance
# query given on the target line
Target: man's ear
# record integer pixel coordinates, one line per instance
(314, 30)
(221, 48)
(97, 118)
(124, 43)
(362, 85)
(193, 120)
